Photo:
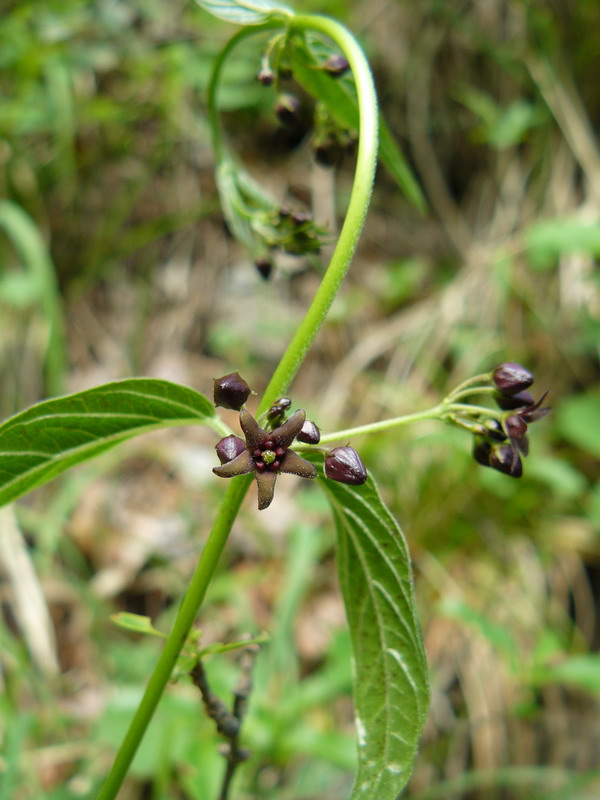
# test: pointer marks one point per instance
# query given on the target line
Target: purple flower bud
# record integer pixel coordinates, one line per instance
(229, 447)
(511, 378)
(231, 391)
(481, 451)
(266, 76)
(336, 65)
(506, 459)
(309, 434)
(518, 400)
(264, 267)
(343, 464)
(279, 408)
(287, 109)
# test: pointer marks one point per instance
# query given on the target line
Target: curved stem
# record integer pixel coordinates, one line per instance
(213, 111)
(456, 395)
(475, 379)
(285, 372)
(357, 207)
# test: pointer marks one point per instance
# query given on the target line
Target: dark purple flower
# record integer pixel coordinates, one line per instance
(505, 458)
(309, 434)
(343, 464)
(267, 454)
(278, 409)
(502, 447)
(518, 400)
(502, 457)
(231, 391)
(510, 378)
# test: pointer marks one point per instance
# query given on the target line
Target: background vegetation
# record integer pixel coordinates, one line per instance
(114, 261)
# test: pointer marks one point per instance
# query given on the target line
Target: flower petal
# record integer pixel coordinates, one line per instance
(265, 482)
(286, 433)
(522, 444)
(296, 465)
(254, 434)
(240, 465)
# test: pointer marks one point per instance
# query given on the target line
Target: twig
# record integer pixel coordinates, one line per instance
(229, 722)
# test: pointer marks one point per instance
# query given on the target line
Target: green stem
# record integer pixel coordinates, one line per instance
(468, 409)
(357, 207)
(185, 618)
(213, 111)
(456, 395)
(385, 424)
(285, 372)
(483, 378)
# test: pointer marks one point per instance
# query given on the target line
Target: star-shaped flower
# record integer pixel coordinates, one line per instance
(266, 453)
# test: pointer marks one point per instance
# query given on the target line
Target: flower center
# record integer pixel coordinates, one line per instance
(268, 456)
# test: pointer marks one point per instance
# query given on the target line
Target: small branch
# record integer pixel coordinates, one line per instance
(228, 723)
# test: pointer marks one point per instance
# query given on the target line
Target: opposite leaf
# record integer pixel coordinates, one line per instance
(245, 12)
(391, 692)
(48, 438)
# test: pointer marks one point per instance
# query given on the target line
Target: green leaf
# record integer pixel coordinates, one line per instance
(580, 670)
(136, 622)
(339, 96)
(38, 283)
(547, 240)
(391, 691)
(48, 438)
(245, 12)
(577, 420)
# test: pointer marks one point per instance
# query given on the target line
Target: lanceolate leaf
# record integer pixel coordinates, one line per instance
(245, 12)
(52, 436)
(391, 691)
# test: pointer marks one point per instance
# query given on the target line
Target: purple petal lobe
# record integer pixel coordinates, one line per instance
(265, 482)
(254, 434)
(240, 465)
(515, 426)
(296, 465)
(286, 433)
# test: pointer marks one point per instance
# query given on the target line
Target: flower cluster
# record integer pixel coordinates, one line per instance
(266, 451)
(500, 444)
